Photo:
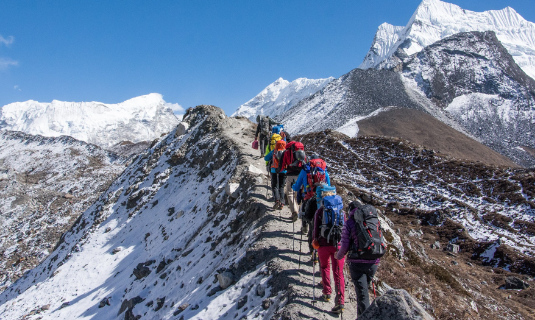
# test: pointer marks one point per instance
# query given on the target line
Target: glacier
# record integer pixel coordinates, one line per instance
(138, 119)
(434, 20)
(280, 96)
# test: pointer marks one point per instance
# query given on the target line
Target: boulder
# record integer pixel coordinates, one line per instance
(225, 279)
(515, 283)
(141, 271)
(181, 128)
(396, 305)
(232, 189)
(255, 170)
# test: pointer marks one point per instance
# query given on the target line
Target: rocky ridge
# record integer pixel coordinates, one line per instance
(45, 184)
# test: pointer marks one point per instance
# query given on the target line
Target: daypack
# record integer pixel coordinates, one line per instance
(315, 175)
(314, 203)
(371, 243)
(290, 162)
(276, 129)
(332, 220)
(264, 126)
(276, 161)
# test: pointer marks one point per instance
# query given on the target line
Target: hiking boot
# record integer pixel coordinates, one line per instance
(280, 206)
(304, 228)
(276, 205)
(326, 298)
(294, 217)
(339, 308)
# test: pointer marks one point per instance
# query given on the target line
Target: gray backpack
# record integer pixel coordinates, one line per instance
(264, 126)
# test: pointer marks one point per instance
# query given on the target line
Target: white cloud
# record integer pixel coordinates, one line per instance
(7, 62)
(177, 109)
(6, 41)
(16, 87)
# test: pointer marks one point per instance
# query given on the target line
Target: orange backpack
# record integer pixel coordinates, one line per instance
(278, 153)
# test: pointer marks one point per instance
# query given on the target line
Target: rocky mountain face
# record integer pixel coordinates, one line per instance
(434, 20)
(473, 78)
(280, 96)
(142, 118)
(187, 232)
(45, 184)
(467, 81)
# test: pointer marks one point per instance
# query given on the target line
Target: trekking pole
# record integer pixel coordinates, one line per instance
(373, 285)
(300, 242)
(314, 276)
(293, 236)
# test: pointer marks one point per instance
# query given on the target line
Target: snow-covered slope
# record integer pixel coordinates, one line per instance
(473, 77)
(280, 96)
(434, 20)
(139, 119)
(45, 184)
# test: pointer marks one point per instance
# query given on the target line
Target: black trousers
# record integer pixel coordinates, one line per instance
(309, 208)
(361, 275)
(262, 143)
(278, 183)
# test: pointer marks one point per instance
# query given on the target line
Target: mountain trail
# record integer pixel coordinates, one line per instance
(282, 238)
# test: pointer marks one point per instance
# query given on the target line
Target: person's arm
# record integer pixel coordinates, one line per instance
(317, 222)
(327, 179)
(299, 182)
(344, 242)
(257, 132)
(269, 156)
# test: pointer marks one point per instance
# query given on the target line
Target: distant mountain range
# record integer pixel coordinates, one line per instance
(139, 119)
(280, 96)
(475, 82)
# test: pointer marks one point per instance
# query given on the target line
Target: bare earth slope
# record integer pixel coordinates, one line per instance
(421, 128)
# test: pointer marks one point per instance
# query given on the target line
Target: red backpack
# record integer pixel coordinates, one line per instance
(315, 176)
(289, 161)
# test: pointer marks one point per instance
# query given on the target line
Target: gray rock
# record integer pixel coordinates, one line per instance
(232, 189)
(141, 271)
(396, 305)
(436, 245)
(241, 302)
(181, 128)
(104, 302)
(515, 283)
(225, 279)
(260, 290)
(129, 304)
(266, 303)
(453, 248)
(117, 250)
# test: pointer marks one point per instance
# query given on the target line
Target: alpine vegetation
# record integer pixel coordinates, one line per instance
(142, 118)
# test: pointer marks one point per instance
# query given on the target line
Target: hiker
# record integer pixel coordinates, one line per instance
(263, 131)
(293, 161)
(327, 233)
(278, 175)
(313, 174)
(363, 262)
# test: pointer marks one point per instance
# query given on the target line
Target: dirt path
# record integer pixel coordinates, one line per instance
(282, 236)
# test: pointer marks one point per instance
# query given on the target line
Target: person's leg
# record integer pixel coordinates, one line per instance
(338, 275)
(282, 186)
(359, 279)
(324, 255)
(309, 235)
(274, 187)
(292, 202)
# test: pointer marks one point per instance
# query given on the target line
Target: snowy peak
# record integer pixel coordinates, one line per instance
(434, 20)
(138, 119)
(280, 96)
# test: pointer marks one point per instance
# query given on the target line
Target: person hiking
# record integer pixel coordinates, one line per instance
(313, 174)
(278, 175)
(327, 231)
(293, 161)
(362, 261)
(263, 131)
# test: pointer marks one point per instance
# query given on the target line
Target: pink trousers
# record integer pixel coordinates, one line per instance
(326, 255)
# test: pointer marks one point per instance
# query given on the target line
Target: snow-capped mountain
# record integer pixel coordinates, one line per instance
(45, 184)
(477, 82)
(139, 119)
(280, 96)
(434, 20)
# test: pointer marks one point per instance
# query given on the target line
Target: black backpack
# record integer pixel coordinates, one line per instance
(264, 126)
(371, 243)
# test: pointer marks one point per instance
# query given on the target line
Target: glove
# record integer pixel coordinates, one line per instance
(315, 244)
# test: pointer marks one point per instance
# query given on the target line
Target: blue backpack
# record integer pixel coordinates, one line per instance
(276, 129)
(332, 221)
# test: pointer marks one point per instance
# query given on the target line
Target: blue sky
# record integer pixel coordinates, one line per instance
(192, 52)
